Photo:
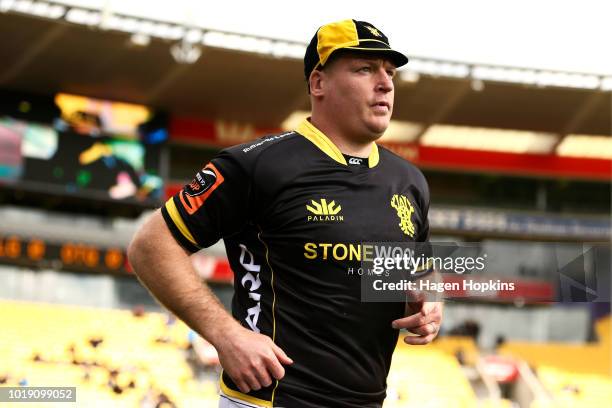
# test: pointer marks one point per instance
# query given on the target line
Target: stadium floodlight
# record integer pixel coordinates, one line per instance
(83, 17)
(592, 146)
(193, 36)
(500, 74)
(562, 79)
(47, 10)
(161, 30)
(140, 39)
(176, 32)
(35, 8)
(477, 85)
(438, 68)
(141, 26)
(6, 5)
(401, 131)
(491, 139)
(238, 42)
(185, 53)
(146, 27)
(128, 25)
(20, 6)
(536, 78)
(257, 45)
(285, 49)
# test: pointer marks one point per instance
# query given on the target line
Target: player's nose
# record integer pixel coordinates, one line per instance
(384, 81)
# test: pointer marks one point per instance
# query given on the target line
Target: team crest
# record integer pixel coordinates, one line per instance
(404, 210)
(374, 31)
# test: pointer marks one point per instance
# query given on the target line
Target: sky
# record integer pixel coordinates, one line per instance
(574, 36)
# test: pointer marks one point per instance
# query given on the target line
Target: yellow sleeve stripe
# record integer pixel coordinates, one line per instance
(178, 221)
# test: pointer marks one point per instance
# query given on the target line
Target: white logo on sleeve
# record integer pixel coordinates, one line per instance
(252, 277)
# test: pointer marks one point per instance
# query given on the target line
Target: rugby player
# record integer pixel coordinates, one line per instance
(292, 210)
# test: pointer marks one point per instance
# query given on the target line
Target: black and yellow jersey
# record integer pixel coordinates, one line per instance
(293, 213)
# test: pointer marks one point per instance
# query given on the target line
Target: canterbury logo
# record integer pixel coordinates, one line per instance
(374, 31)
(323, 208)
(404, 211)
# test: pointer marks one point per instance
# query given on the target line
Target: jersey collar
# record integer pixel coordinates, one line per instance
(318, 138)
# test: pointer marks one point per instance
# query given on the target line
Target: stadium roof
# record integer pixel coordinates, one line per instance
(568, 35)
(50, 55)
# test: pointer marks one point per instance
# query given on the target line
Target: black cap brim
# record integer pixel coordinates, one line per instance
(396, 57)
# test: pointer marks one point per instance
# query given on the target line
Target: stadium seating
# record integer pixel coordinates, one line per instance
(430, 375)
(575, 358)
(570, 389)
(128, 346)
(602, 328)
(575, 375)
(37, 339)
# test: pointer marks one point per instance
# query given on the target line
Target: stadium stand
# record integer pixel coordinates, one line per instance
(428, 387)
(113, 356)
(575, 375)
(572, 389)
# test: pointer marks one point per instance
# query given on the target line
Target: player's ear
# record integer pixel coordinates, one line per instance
(316, 81)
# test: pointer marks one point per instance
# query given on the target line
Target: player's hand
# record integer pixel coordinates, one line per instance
(422, 319)
(251, 359)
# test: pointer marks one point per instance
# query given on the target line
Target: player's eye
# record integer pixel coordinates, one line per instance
(391, 72)
(366, 68)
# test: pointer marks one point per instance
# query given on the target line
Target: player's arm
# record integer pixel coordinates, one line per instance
(212, 206)
(423, 315)
(164, 267)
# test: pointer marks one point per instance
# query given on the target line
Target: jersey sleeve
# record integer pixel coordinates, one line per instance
(214, 205)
